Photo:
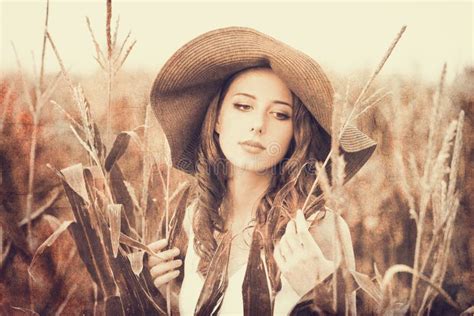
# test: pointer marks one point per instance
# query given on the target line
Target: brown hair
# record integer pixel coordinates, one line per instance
(309, 143)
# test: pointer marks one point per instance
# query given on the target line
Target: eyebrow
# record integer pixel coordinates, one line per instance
(253, 97)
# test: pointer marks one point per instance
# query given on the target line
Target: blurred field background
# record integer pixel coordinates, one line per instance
(378, 206)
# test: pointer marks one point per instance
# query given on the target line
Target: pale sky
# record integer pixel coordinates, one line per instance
(341, 36)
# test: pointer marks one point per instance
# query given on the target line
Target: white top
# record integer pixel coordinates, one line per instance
(232, 303)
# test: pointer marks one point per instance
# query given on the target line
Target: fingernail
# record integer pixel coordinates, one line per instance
(299, 213)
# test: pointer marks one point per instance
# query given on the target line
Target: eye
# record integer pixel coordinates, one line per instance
(281, 116)
(242, 107)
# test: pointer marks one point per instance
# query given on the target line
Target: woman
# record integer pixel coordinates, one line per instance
(248, 116)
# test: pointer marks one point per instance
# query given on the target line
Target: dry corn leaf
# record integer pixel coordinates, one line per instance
(98, 143)
(74, 176)
(152, 208)
(138, 294)
(122, 196)
(96, 215)
(366, 284)
(114, 306)
(136, 261)
(396, 309)
(114, 212)
(52, 197)
(13, 310)
(46, 244)
(5, 250)
(214, 287)
(92, 254)
(378, 275)
(272, 268)
(11, 229)
(129, 241)
(176, 222)
(90, 246)
(118, 149)
(255, 291)
(97, 177)
(176, 237)
(41, 276)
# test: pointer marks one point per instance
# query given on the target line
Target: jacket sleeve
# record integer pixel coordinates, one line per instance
(286, 299)
(321, 301)
(316, 302)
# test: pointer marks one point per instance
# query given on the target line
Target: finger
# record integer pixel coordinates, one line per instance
(154, 260)
(285, 248)
(300, 221)
(165, 267)
(165, 278)
(279, 259)
(304, 234)
(163, 256)
(291, 238)
(158, 245)
(302, 229)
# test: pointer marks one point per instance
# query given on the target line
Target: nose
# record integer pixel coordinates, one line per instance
(258, 131)
(258, 124)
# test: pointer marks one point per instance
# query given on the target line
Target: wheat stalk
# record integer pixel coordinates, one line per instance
(355, 106)
(87, 124)
(334, 192)
(43, 50)
(35, 108)
(400, 268)
(5, 103)
(113, 61)
(428, 180)
(444, 216)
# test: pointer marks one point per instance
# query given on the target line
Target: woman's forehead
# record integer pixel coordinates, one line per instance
(260, 82)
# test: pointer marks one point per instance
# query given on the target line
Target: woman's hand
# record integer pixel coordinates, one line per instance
(299, 257)
(162, 267)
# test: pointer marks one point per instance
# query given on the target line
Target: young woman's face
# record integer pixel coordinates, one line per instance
(255, 123)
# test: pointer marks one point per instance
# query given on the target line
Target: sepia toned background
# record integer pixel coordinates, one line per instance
(413, 102)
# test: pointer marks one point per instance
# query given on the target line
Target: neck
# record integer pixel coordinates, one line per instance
(244, 191)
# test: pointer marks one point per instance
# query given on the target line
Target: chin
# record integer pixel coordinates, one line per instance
(258, 163)
(253, 165)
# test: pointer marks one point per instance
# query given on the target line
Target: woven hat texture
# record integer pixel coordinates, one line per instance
(191, 79)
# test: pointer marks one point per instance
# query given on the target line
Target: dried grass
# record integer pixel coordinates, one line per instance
(111, 232)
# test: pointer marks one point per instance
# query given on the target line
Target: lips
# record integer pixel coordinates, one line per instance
(252, 143)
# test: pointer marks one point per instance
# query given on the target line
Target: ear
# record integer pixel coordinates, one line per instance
(217, 128)
(214, 105)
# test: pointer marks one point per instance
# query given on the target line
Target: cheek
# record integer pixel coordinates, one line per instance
(229, 128)
(288, 135)
(279, 142)
(283, 136)
(228, 135)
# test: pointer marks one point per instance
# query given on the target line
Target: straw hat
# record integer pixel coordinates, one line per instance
(191, 79)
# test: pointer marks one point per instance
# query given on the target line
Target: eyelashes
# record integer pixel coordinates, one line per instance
(242, 107)
(281, 116)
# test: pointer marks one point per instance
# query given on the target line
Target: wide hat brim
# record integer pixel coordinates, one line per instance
(193, 76)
